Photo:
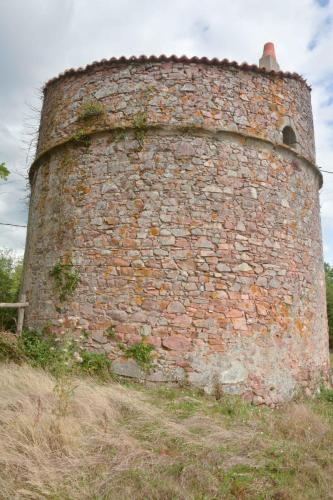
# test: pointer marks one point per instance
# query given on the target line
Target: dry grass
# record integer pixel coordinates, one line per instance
(127, 441)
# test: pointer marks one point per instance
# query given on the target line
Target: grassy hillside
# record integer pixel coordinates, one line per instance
(89, 440)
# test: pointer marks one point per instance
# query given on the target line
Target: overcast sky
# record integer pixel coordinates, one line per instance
(41, 38)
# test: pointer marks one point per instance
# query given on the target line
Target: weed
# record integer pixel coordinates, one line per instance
(217, 388)
(67, 162)
(41, 350)
(62, 356)
(237, 481)
(82, 137)
(326, 394)
(66, 279)
(44, 351)
(110, 333)
(119, 134)
(184, 408)
(95, 365)
(140, 127)
(146, 431)
(233, 407)
(167, 393)
(141, 352)
(9, 350)
(90, 109)
(140, 120)
(64, 391)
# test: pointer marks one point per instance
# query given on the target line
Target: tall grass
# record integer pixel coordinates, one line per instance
(118, 441)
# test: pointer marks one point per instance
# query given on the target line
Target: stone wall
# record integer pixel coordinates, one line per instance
(177, 94)
(192, 226)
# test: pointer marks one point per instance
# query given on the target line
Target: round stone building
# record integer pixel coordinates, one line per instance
(179, 198)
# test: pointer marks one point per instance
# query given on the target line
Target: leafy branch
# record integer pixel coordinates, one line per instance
(4, 172)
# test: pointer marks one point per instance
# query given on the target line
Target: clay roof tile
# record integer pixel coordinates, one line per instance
(173, 58)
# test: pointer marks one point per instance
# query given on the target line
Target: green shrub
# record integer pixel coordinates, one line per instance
(9, 350)
(95, 365)
(40, 349)
(10, 281)
(63, 355)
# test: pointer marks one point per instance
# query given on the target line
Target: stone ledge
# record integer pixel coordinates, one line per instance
(178, 130)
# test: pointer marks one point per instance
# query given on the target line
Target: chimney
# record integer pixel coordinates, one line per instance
(268, 58)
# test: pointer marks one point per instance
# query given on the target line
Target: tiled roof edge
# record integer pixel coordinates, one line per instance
(173, 58)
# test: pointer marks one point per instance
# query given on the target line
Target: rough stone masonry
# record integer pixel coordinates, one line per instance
(185, 194)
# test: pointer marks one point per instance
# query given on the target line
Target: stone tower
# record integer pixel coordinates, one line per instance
(184, 192)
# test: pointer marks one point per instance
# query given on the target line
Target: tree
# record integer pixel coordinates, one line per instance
(10, 281)
(329, 298)
(4, 172)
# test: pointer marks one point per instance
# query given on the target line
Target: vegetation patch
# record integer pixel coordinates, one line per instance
(140, 128)
(10, 281)
(329, 300)
(120, 441)
(91, 109)
(62, 355)
(110, 333)
(42, 350)
(141, 352)
(66, 279)
(4, 172)
(119, 134)
(95, 365)
(326, 394)
(233, 408)
(9, 350)
(67, 162)
(82, 137)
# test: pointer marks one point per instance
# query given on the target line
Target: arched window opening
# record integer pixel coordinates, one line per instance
(289, 136)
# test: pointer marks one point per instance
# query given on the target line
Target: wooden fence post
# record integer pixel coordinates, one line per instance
(20, 306)
(20, 315)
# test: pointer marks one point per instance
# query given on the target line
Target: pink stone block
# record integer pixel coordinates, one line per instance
(176, 343)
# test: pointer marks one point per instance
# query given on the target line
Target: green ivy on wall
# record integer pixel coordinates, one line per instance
(66, 279)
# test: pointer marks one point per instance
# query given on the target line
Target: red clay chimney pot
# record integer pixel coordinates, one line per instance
(269, 49)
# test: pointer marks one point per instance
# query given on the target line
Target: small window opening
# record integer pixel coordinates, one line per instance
(289, 136)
